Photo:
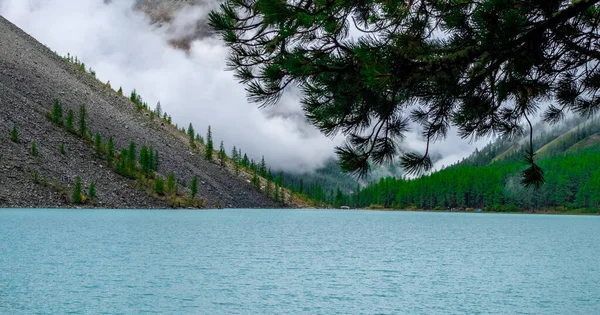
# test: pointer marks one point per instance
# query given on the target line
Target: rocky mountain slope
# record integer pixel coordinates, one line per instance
(31, 78)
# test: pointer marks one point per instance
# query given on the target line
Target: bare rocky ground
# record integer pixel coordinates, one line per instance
(31, 77)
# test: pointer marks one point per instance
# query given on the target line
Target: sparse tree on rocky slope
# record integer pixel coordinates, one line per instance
(208, 152)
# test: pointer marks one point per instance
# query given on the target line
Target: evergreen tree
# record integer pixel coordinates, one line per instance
(208, 153)
(77, 196)
(145, 162)
(222, 154)
(57, 113)
(98, 143)
(171, 184)
(191, 134)
(245, 161)
(158, 110)
(194, 187)
(82, 121)
(110, 151)
(131, 157)
(14, 135)
(255, 180)
(234, 157)
(120, 91)
(133, 97)
(263, 168)
(33, 151)
(269, 189)
(121, 166)
(159, 186)
(92, 191)
(62, 148)
(236, 160)
(70, 122)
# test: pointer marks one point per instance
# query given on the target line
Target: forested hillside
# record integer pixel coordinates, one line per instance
(490, 178)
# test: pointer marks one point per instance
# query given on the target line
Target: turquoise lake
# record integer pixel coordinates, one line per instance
(296, 262)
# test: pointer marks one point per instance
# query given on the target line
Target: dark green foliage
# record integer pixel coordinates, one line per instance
(255, 181)
(245, 161)
(77, 196)
(159, 186)
(133, 96)
(82, 121)
(572, 181)
(57, 113)
(62, 148)
(147, 160)
(131, 157)
(194, 187)
(120, 91)
(122, 164)
(110, 151)
(92, 191)
(98, 143)
(222, 155)
(489, 71)
(70, 121)
(209, 149)
(33, 150)
(235, 157)
(276, 194)
(14, 134)
(269, 188)
(262, 168)
(158, 110)
(137, 100)
(191, 133)
(171, 184)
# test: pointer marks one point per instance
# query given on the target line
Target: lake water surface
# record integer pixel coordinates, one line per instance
(296, 261)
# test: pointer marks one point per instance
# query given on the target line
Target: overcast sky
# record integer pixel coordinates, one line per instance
(119, 43)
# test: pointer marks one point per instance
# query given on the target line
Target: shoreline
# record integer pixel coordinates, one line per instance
(350, 209)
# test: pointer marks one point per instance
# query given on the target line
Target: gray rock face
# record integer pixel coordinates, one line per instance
(31, 78)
